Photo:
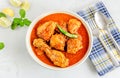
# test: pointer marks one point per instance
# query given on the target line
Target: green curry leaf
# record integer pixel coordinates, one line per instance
(22, 13)
(2, 15)
(27, 22)
(1, 45)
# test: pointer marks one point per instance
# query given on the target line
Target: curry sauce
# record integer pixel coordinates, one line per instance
(57, 17)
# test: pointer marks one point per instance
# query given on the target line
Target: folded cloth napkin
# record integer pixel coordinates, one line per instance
(99, 56)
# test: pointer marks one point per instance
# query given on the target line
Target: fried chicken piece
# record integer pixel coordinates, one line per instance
(57, 57)
(74, 45)
(40, 43)
(46, 30)
(57, 41)
(63, 25)
(73, 25)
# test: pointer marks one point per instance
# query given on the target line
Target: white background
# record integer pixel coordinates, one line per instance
(15, 62)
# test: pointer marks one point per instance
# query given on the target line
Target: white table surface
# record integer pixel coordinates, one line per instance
(15, 62)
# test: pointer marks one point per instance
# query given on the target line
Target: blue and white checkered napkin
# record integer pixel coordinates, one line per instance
(99, 56)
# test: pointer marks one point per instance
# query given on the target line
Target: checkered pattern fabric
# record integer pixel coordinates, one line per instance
(115, 33)
(99, 56)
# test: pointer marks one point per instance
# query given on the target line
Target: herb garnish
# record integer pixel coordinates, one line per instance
(21, 21)
(1, 45)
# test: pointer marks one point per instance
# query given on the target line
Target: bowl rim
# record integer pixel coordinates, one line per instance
(32, 54)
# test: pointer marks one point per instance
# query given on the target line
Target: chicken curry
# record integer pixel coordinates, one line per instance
(59, 40)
